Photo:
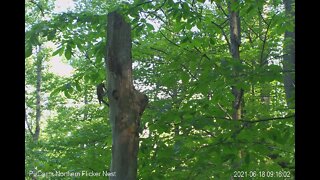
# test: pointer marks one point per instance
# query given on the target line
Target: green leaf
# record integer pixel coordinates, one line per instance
(56, 91)
(28, 50)
(99, 59)
(79, 46)
(247, 158)
(178, 17)
(51, 35)
(170, 2)
(102, 74)
(185, 8)
(179, 26)
(78, 87)
(149, 27)
(184, 40)
(68, 52)
(66, 93)
(184, 78)
(34, 39)
(212, 42)
(227, 157)
(86, 77)
(58, 51)
(250, 9)
(139, 29)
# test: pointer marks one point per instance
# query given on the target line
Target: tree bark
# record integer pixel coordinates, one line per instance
(38, 95)
(289, 58)
(235, 41)
(126, 103)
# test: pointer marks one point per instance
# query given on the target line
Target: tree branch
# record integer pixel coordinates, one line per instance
(164, 2)
(225, 111)
(159, 50)
(254, 32)
(260, 14)
(40, 8)
(140, 4)
(205, 55)
(223, 33)
(154, 14)
(254, 121)
(262, 62)
(189, 72)
(268, 119)
(169, 39)
(220, 7)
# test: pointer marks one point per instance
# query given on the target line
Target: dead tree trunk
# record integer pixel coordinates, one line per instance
(126, 103)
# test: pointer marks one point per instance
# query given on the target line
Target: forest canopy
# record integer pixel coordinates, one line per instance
(219, 77)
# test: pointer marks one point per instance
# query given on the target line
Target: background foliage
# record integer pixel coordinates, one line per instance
(182, 62)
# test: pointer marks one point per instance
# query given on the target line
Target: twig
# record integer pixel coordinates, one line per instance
(189, 72)
(225, 111)
(210, 133)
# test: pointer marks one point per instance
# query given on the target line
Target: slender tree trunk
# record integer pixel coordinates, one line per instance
(126, 103)
(289, 57)
(265, 90)
(38, 95)
(29, 125)
(235, 41)
(85, 116)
